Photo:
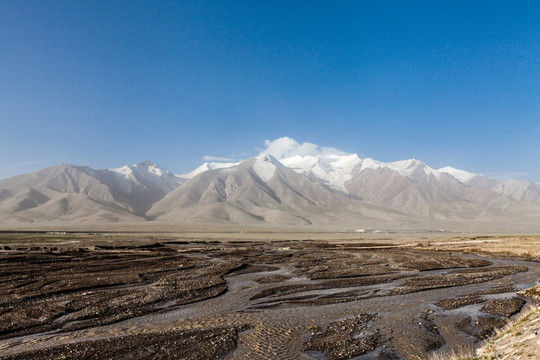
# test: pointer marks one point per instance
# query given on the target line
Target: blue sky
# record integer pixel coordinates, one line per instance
(108, 83)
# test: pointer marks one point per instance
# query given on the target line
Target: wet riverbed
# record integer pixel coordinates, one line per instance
(287, 300)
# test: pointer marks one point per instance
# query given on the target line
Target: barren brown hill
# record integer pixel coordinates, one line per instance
(264, 191)
(312, 193)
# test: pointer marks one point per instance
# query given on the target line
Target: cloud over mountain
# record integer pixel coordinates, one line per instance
(286, 147)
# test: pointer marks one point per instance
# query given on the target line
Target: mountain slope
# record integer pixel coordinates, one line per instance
(262, 190)
(59, 192)
(324, 189)
(139, 186)
(81, 194)
(428, 196)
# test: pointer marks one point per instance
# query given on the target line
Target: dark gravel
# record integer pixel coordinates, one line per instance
(503, 307)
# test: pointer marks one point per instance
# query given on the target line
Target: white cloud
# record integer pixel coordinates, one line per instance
(216, 158)
(281, 148)
(285, 147)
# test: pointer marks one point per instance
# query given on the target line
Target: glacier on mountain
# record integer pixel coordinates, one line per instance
(461, 175)
(208, 166)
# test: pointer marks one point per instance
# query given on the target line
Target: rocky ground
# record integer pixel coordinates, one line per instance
(520, 338)
(97, 296)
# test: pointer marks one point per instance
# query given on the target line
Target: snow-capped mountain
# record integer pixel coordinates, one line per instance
(140, 185)
(148, 175)
(333, 171)
(287, 184)
(263, 190)
(82, 194)
(460, 175)
(338, 170)
(205, 167)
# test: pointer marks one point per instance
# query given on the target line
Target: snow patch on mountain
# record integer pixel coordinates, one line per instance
(144, 168)
(300, 163)
(369, 163)
(208, 166)
(334, 167)
(334, 170)
(125, 171)
(346, 161)
(328, 165)
(264, 168)
(150, 168)
(461, 175)
(146, 175)
(410, 167)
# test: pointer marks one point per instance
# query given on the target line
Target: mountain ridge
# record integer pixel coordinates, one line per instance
(327, 190)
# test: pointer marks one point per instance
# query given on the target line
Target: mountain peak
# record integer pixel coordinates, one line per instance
(265, 167)
(143, 167)
(272, 160)
(461, 175)
(288, 190)
(150, 167)
(207, 166)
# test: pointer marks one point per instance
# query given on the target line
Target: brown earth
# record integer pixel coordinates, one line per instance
(86, 296)
(190, 345)
(341, 340)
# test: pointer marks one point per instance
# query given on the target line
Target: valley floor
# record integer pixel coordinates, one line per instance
(263, 295)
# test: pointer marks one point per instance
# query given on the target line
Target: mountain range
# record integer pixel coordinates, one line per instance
(330, 191)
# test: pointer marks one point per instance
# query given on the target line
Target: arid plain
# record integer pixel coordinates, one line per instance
(254, 294)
